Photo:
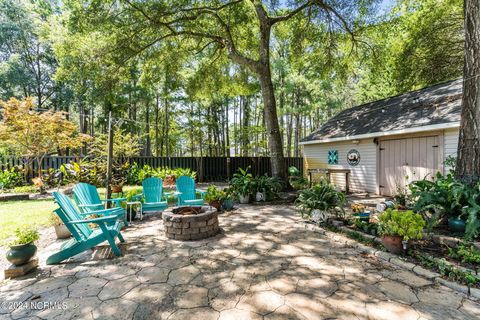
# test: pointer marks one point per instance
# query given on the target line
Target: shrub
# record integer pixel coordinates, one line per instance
(448, 197)
(25, 189)
(136, 174)
(10, 178)
(406, 224)
(214, 194)
(442, 197)
(25, 235)
(84, 171)
(271, 186)
(467, 254)
(322, 196)
(296, 180)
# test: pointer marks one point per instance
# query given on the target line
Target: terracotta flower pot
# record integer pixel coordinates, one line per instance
(116, 189)
(216, 204)
(393, 244)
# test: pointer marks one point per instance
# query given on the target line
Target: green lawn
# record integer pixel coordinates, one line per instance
(29, 212)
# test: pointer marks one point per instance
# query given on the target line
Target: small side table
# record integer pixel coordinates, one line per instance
(131, 204)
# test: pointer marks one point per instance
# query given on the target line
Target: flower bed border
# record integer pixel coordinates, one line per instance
(391, 258)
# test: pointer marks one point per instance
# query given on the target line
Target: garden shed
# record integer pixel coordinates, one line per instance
(387, 143)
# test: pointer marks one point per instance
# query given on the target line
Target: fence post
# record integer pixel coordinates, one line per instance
(228, 168)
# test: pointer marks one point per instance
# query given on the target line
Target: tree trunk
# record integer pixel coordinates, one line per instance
(227, 134)
(157, 106)
(468, 161)
(148, 147)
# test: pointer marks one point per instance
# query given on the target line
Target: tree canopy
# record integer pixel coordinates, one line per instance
(219, 77)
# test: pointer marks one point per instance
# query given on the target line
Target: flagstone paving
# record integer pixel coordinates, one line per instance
(265, 265)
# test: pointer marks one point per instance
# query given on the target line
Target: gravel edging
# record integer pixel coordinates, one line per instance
(393, 259)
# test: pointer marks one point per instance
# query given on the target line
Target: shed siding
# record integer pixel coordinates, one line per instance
(363, 177)
(450, 145)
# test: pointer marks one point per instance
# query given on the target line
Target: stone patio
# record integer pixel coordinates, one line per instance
(265, 265)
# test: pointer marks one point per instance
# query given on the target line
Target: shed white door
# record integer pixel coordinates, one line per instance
(404, 160)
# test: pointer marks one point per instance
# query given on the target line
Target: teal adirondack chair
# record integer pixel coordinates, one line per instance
(153, 196)
(186, 192)
(88, 200)
(84, 238)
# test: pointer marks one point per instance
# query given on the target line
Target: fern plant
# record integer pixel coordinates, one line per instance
(322, 196)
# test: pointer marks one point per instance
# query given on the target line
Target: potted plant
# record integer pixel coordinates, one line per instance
(322, 199)
(132, 195)
(242, 184)
(117, 185)
(227, 201)
(397, 228)
(61, 229)
(296, 179)
(22, 248)
(214, 197)
(259, 187)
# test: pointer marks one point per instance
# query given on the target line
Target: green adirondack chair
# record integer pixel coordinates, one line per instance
(153, 196)
(84, 238)
(88, 200)
(186, 192)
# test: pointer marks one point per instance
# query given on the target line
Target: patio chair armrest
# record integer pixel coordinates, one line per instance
(202, 192)
(88, 205)
(96, 220)
(114, 200)
(137, 197)
(103, 211)
(176, 193)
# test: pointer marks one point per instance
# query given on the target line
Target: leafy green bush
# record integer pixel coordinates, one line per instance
(25, 189)
(448, 197)
(137, 174)
(84, 171)
(242, 182)
(406, 224)
(464, 253)
(322, 196)
(214, 194)
(442, 197)
(24, 235)
(10, 178)
(271, 186)
(295, 178)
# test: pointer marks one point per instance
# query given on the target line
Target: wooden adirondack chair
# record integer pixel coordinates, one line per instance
(84, 238)
(88, 200)
(153, 196)
(186, 192)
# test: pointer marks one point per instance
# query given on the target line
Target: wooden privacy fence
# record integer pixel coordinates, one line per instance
(207, 168)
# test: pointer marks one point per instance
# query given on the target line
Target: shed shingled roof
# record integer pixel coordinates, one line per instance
(438, 104)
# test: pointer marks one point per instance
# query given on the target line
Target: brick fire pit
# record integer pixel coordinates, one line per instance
(182, 223)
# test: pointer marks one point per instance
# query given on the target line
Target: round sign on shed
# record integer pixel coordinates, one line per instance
(353, 157)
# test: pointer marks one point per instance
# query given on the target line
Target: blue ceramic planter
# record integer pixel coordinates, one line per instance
(456, 225)
(227, 204)
(21, 254)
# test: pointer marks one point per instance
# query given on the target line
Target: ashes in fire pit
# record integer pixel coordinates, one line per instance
(187, 210)
(190, 223)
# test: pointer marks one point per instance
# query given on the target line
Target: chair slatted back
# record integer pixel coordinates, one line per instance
(85, 193)
(186, 185)
(152, 189)
(69, 213)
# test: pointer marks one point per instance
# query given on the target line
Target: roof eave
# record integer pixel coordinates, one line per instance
(441, 126)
